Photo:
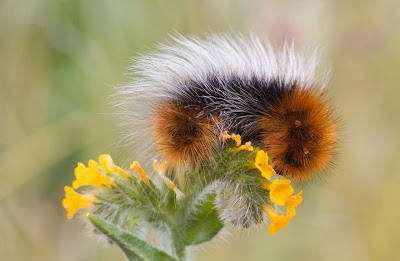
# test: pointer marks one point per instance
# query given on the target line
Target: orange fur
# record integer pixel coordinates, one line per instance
(184, 134)
(300, 134)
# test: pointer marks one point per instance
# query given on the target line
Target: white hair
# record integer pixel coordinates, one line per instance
(161, 74)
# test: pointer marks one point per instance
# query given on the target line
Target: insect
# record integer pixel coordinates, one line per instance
(188, 92)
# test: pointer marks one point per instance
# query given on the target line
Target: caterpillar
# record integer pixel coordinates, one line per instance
(183, 96)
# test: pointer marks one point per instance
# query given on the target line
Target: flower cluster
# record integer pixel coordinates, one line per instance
(280, 190)
(107, 176)
(103, 176)
(93, 175)
(238, 140)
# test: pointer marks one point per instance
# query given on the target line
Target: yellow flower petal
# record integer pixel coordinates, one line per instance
(262, 157)
(277, 222)
(225, 135)
(267, 171)
(74, 201)
(292, 202)
(80, 167)
(237, 139)
(247, 147)
(108, 165)
(280, 190)
(90, 176)
(169, 183)
(262, 164)
(135, 166)
(163, 165)
(265, 184)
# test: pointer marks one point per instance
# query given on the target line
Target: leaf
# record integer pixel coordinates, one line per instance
(204, 224)
(134, 248)
(131, 255)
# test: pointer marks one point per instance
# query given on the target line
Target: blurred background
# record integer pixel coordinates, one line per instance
(59, 60)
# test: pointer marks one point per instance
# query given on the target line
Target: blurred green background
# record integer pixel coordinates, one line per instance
(59, 59)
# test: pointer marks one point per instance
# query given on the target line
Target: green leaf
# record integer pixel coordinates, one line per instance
(134, 248)
(130, 254)
(204, 224)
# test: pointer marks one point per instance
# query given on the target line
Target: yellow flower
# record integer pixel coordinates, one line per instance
(136, 167)
(237, 138)
(90, 176)
(265, 184)
(225, 135)
(280, 190)
(108, 165)
(247, 147)
(169, 183)
(277, 222)
(163, 165)
(73, 201)
(262, 164)
(292, 202)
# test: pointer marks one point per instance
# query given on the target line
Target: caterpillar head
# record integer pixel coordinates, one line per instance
(300, 134)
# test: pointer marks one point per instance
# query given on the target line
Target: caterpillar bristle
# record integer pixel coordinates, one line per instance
(184, 134)
(300, 134)
(199, 88)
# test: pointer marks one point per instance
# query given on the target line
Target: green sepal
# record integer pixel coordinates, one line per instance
(127, 190)
(204, 224)
(110, 198)
(153, 193)
(134, 248)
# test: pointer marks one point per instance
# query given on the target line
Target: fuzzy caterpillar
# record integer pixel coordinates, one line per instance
(190, 91)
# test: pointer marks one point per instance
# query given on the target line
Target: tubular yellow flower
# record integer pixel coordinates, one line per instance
(262, 164)
(136, 167)
(265, 185)
(169, 183)
(237, 138)
(74, 201)
(247, 147)
(292, 202)
(277, 222)
(90, 176)
(280, 190)
(225, 135)
(108, 165)
(163, 165)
